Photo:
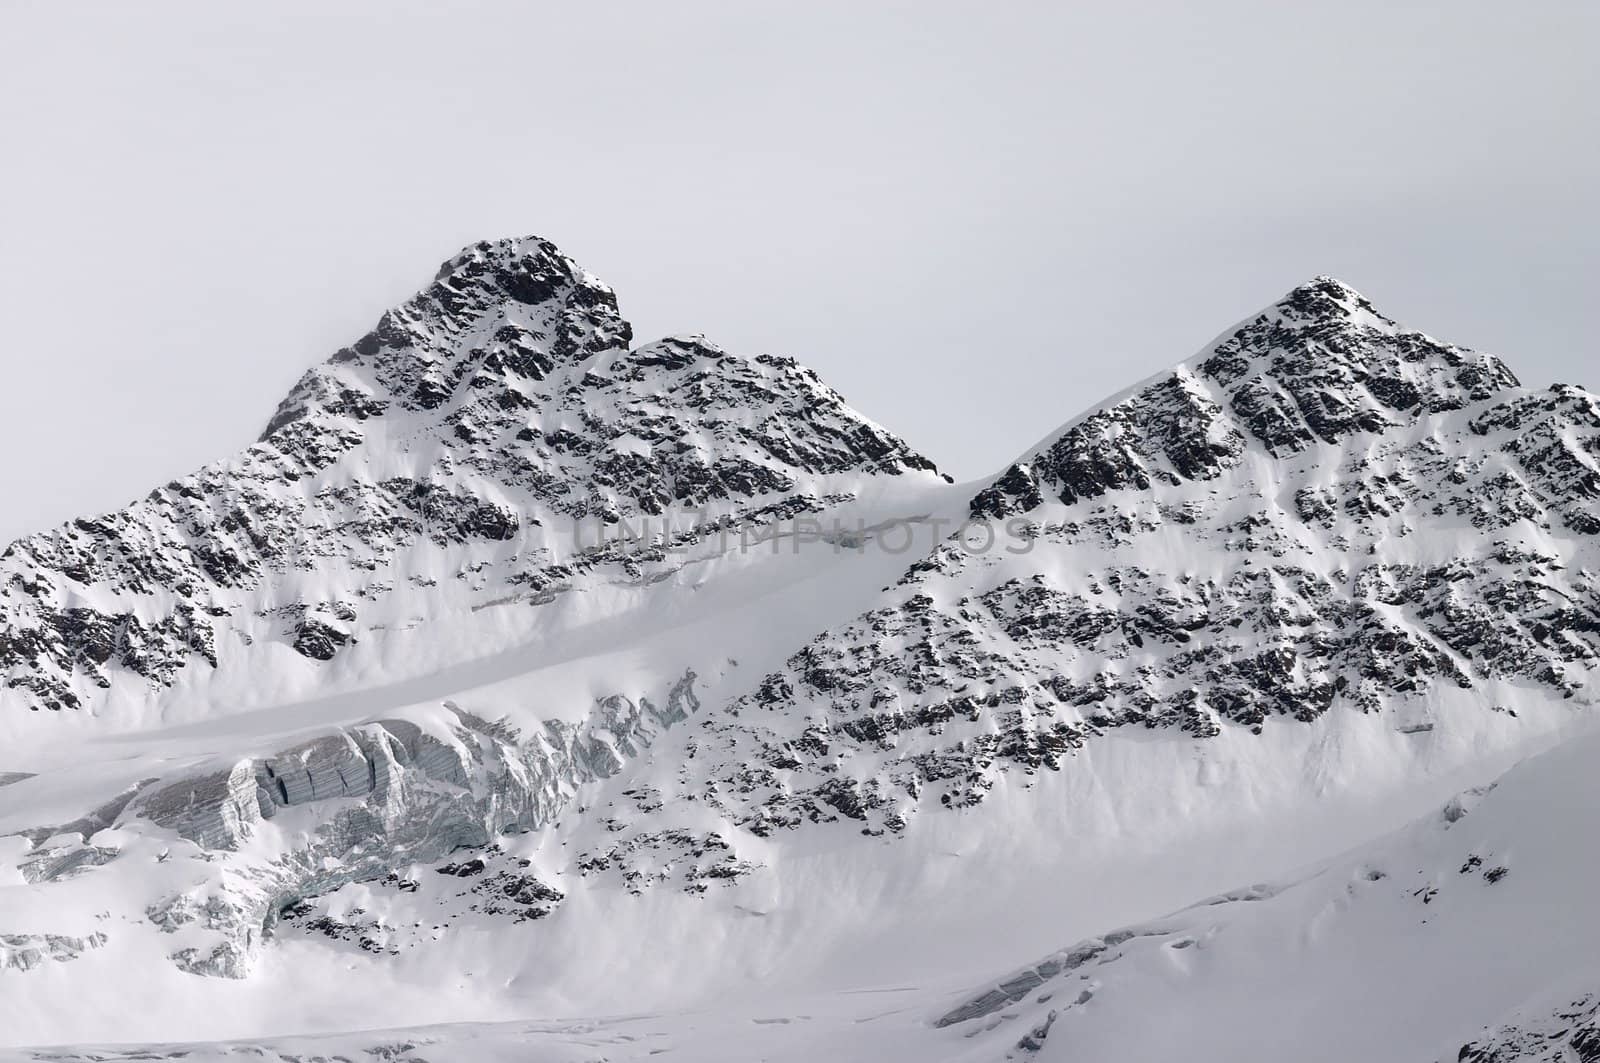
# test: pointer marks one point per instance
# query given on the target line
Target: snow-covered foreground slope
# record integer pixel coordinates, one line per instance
(388, 721)
(1474, 919)
(1467, 935)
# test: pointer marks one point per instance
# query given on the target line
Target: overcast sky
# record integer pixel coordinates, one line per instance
(974, 220)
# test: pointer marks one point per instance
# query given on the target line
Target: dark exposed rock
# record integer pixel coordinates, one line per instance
(1569, 1033)
(1288, 460)
(318, 640)
(507, 392)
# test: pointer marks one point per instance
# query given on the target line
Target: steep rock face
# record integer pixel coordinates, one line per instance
(477, 422)
(1325, 514)
(471, 450)
(1325, 511)
(1320, 365)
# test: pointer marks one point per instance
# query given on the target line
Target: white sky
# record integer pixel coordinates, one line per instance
(972, 219)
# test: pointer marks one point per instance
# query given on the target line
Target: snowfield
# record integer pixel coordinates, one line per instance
(519, 673)
(1464, 935)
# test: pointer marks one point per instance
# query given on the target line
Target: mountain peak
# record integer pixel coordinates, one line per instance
(499, 405)
(510, 309)
(504, 658)
(526, 269)
(1323, 362)
(1326, 297)
(1315, 367)
(505, 249)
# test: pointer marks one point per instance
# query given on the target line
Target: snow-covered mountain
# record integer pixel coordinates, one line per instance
(455, 448)
(520, 673)
(1323, 513)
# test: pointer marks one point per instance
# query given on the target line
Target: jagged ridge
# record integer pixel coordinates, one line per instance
(497, 406)
(1322, 512)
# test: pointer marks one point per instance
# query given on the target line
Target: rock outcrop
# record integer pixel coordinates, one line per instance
(1325, 516)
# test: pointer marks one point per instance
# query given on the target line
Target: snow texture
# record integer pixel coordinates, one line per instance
(519, 672)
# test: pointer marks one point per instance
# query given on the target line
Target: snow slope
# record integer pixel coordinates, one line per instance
(381, 724)
(1466, 935)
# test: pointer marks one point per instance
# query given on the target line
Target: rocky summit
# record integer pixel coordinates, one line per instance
(519, 671)
(473, 425)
